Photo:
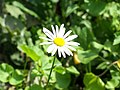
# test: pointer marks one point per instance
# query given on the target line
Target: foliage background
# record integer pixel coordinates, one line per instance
(26, 65)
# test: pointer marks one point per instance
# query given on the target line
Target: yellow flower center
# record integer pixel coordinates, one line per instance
(59, 41)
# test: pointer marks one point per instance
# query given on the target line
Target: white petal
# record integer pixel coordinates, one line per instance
(68, 33)
(46, 43)
(62, 31)
(63, 53)
(71, 48)
(56, 30)
(48, 33)
(54, 51)
(45, 38)
(66, 50)
(71, 37)
(69, 51)
(50, 48)
(53, 29)
(72, 43)
(59, 52)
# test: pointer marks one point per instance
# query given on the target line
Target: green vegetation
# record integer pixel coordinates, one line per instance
(25, 64)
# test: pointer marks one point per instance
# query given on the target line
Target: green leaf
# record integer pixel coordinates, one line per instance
(29, 51)
(60, 69)
(73, 70)
(19, 5)
(62, 81)
(71, 9)
(116, 40)
(94, 7)
(14, 11)
(2, 22)
(27, 88)
(16, 78)
(35, 87)
(86, 56)
(16, 24)
(114, 49)
(91, 81)
(103, 65)
(96, 46)
(87, 23)
(115, 74)
(5, 72)
(47, 62)
(86, 37)
(112, 84)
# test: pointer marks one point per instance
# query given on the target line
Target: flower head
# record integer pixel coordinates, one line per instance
(59, 41)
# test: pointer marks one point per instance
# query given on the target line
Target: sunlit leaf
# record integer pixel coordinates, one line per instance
(60, 69)
(86, 56)
(14, 11)
(30, 52)
(73, 70)
(16, 78)
(92, 81)
(5, 72)
(116, 40)
(112, 84)
(71, 9)
(22, 7)
(103, 65)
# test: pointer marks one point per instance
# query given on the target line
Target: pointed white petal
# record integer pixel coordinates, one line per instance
(72, 43)
(71, 48)
(53, 30)
(46, 43)
(50, 48)
(63, 53)
(45, 38)
(48, 33)
(68, 33)
(71, 37)
(62, 31)
(66, 50)
(54, 51)
(56, 30)
(59, 52)
(69, 51)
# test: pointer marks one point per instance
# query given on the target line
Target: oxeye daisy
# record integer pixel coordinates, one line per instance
(59, 41)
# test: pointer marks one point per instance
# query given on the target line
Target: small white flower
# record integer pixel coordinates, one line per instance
(59, 41)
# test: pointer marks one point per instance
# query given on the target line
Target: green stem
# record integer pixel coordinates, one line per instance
(86, 68)
(107, 69)
(50, 72)
(25, 65)
(89, 66)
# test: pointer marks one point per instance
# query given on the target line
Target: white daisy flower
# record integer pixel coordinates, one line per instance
(59, 41)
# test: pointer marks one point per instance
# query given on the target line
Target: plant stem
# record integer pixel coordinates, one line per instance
(107, 69)
(89, 67)
(25, 65)
(50, 72)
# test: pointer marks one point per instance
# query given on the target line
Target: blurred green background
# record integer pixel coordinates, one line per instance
(97, 24)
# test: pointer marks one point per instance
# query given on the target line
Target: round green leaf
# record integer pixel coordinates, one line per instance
(62, 80)
(17, 78)
(93, 82)
(5, 71)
